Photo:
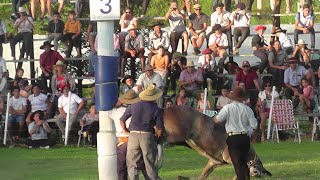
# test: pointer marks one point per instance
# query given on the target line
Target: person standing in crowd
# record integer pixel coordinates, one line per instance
(47, 60)
(55, 30)
(238, 117)
(126, 19)
(177, 27)
(3, 35)
(92, 34)
(284, 40)
(158, 38)
(142, 135)
(197, 25)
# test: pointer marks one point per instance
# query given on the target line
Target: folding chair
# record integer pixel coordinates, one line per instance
(83, 134)
(283, 116)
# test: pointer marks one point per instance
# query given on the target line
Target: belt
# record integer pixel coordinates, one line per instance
(237, 133)
(140, 132)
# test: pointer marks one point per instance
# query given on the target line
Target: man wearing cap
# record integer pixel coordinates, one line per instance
(148, 78)
(284, 40)
(197, 25)
(177, 27)
(238, 118)
(158, 38)
(47, 60)
(73, 108)
(191, 79)
(24, 24)
(134, 48)
(304, 23)
(142, 135)
(176, 66)
(260, 47)
(218, 43)
(222, 17)
(241, 20)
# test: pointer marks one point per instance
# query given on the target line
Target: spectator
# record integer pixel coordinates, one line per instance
(24, 24)
(158, 38)
(241, 20)
(39, 102)
(3, 76)
(263, 105)
(73, 108)
(278, 59)
(302, 53)
(218, 43)
(92, 34)
(208, 67)
(22, 83)
(197, 25)
(183, 99)
(129, 83)
(247, 101)
(38, 129)
(126, 19)
(260, 47)
(72, 34)
(17, 109)
(43, 3)
(177, 27)
(168, 103)
(222, 17)
(160, 62)
(201, 103)
(3, 35)
(307, 97)
(47, 60)
(191, 79)
(16, 4)
(304, 23)
(284, 39)
(148, 78)
(223, 99)
(61, 3)
(55, 30)
(79, 7)
(90, 124)
(134, 48)
(226, 4)
(176, 66)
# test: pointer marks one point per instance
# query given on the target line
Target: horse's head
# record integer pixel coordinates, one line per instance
(255, 166)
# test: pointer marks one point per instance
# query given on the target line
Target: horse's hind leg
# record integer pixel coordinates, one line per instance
(211, 165)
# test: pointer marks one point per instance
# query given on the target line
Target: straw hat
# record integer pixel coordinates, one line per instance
(239, 94)
(152, 93)
(177, 54)
(196, 6)
(148, 67)
(190, 64)
(59, 63)
(129, 97)
(22, 10)
(131, 27)
(125, 78)
(46, 43)
(302, 42)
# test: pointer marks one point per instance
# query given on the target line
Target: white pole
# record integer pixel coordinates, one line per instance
(6, 122)
(67, 120)
(270, 113)
(205, 100)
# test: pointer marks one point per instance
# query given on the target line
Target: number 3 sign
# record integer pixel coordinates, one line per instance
(104, 10)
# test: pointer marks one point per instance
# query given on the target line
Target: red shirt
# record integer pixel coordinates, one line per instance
(47, 60)
(61, 82)
(247, 79)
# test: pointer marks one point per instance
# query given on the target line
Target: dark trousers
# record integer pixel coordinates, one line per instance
(263, 55)
(125, 56)
(27, 41)
(122, 37)
(238, 146)
(93, 129)
(311, 32)
(243, 33)
(249, 4)
(277, 77)
(76, 42)
(145, 4)
(211, 75)
(40, 142)
(16, 4)
(173, 80)
(174, 40)
(44, 84)
(289, 93)
(1, 42)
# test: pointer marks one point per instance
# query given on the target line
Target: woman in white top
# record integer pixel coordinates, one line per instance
(3, 35)
(126, 19)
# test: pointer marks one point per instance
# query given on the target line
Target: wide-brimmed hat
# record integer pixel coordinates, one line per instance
(238, 94)
(292, 60)
(177, 54)
(196, 6)
(278, 29)
(219, 5)
(148, 68)
(245, 63)
(151, 93)
(216, 27)
(302, 42)
(46, 43)
(131, 27)
(158, 23)
(41, 115)
(190, 64)
(22, 10)
(241, 6)
(59, 63)
(129, 97)
(260, 27)
(207, 51)
(125, 78)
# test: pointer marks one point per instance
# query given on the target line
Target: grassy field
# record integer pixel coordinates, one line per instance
(286, 160)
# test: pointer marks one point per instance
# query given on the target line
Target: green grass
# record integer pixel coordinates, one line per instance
(286, 160)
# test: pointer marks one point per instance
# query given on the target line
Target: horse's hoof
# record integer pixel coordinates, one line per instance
(182, 178)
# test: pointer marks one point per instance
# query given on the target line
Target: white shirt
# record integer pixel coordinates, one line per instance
(3, 27)
(25, 26)
(241, 21)
(176, 22)
(285, 40)
(145, 81)
(238, 117)
(38, 102)
(220, 40)
(163, 40)
(201, 61)
(3, 66)
(18, 104)
(262, 95)
(223, 19)
(115, 114)
(304, 20)
(40, 132)
(63, 103)
(127, 22)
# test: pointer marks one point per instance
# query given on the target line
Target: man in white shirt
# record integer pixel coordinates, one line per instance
(241, 20)
(238, 117)
(158, 38)
(73, 107)
(218, 43)
(148, 78)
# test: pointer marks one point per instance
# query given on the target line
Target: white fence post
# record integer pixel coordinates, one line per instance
(67, 120)
(270, 113)
(6, 122)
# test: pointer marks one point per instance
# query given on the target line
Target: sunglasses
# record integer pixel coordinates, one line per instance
(197, 9)
(128, 12)
(246, 66)
(268, 85)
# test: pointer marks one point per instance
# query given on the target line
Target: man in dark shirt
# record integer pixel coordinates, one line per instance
(55, 30)
(142, 138)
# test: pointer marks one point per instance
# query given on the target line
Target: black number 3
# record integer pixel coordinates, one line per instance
(109, 8)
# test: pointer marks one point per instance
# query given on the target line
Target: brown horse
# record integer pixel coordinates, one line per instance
(184, 124)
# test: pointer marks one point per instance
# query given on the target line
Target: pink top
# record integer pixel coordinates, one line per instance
(308, 92)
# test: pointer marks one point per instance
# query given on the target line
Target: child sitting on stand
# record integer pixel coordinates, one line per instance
(201, 103)
(90, 123)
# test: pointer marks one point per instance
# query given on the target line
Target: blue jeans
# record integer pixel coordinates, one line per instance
(92, 59)
(16, 118)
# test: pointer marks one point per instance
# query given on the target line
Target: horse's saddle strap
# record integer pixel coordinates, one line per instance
(237, 133)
